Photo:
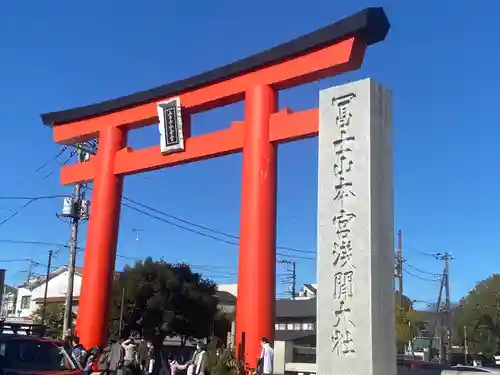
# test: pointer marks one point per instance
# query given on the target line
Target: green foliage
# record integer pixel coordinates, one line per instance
(54, 319)
(404, 302)
(480, 312)
(163, 299)
(223, 361)
(407, 321)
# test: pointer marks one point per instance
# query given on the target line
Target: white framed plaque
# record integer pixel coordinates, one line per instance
(171, 130)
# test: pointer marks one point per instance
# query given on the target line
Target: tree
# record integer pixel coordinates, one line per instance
(54, 318)
(407, 321)
(163, 299)
(479, 311)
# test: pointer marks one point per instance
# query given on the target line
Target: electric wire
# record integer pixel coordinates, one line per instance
(420, 270)
(420, 277)
(219, 232)
(42, 166)
(24, 206)
(30, 201)
(201, 233)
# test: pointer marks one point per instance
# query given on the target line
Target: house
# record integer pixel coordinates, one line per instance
(296, 321)
(227, 302)
(307, 291)
(30, 295)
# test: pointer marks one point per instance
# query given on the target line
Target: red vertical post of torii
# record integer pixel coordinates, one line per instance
(257, 257)
(332, 50)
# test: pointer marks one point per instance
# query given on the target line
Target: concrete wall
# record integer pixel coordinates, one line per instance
(283, 364)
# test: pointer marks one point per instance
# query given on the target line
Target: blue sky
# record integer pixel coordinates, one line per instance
(440, 61)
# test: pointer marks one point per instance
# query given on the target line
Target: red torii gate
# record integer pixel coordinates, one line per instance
(332, 50)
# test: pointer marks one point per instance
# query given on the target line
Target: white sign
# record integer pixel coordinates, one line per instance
(171, 130)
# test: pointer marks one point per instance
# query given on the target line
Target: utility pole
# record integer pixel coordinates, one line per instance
(443, 314)
(466, 346)
(290, 277)
(44, 306)
(399, 267)
(75, 217)
(436, 319)
(121, 312)
(30, 271)
(449, 346)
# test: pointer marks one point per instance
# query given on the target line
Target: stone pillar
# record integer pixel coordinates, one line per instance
(355, 322)
(283, 354)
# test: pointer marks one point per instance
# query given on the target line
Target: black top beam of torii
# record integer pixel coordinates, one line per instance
(370, 24)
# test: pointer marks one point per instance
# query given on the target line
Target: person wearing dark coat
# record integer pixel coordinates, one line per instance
(143, 355)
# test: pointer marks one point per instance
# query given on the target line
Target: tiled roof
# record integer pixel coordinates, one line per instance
(299, 308)
(41, 280)
(225, 297)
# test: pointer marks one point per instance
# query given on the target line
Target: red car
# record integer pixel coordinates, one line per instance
(28, 354)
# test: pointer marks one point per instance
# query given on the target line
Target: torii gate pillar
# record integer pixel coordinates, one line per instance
(257, 257)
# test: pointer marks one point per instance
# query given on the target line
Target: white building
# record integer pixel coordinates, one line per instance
(308, 291)
(30, 295)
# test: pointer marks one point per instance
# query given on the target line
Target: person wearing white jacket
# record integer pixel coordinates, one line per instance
(266, 359)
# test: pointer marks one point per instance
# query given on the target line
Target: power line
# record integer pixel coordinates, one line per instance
(32, 198)
(201, 233)
(42, 166)
(41, 243)
(205, 227)
(419, 277)
(17, 211)
(420, 270)
(232, 236)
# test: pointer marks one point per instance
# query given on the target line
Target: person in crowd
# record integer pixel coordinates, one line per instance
(116, 357)
(266, 360)
(91, 360)
(191, 363)
(130, 363)
(78, 352)
(142, 353)
(68, 345)
(104, 361)
(200, 365)
(176, 367)
(151, 358)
